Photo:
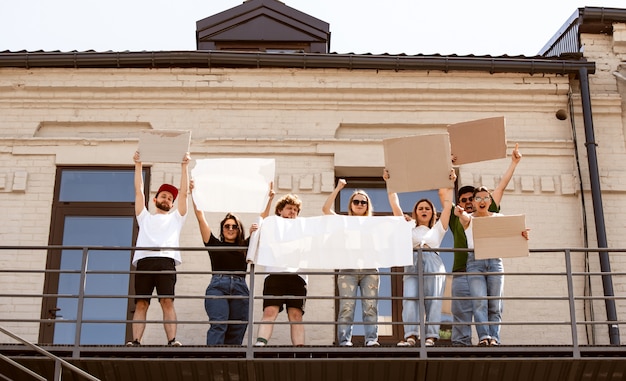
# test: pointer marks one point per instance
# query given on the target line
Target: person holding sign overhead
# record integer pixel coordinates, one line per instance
(230, 280)
(489, 285)
(426, 233)
(462, 310)
(282, 281)
(349, 281)
(161, 229)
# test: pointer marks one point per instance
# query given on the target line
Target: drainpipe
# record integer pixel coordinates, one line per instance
(598, 211)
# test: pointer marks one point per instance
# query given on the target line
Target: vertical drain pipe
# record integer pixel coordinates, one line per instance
(598, 211)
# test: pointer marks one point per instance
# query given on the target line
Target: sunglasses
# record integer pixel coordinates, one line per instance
(481, 199)
(357, 202)
(231, 227)
(466, 199)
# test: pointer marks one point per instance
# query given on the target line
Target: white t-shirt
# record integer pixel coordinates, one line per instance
(159, 230)
(423, 235)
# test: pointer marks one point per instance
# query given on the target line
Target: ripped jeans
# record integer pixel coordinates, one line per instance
(348, 281)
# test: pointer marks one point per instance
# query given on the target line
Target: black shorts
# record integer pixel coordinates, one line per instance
(146, 283)
(284, 285)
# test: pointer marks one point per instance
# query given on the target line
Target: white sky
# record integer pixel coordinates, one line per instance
(483, 27)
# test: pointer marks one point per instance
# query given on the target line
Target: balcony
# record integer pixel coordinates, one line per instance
(574, 357)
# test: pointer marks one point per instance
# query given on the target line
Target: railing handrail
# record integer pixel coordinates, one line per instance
(568, 273)
(57, 360)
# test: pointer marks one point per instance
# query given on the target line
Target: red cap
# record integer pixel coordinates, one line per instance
(168, 188)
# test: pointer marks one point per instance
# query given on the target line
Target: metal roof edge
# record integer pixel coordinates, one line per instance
(245, 59)
(585, 16)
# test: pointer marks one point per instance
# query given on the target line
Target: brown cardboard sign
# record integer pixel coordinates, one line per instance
(478, 140)
(499, 237)
(163, 146)
(418, 163)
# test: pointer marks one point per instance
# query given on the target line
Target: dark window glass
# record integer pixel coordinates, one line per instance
(95, 231)
(84, 185)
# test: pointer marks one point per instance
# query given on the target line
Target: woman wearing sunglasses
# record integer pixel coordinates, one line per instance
(482, 286)
(349, 281)
(428, 232)
(227, 293)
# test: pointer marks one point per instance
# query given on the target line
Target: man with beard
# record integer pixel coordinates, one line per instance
(462, 311)
(161, 229)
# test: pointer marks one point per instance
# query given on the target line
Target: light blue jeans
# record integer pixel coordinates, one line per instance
(433, 287)
(462, 310)
(222, 309)
(348, 282)
(482, 286)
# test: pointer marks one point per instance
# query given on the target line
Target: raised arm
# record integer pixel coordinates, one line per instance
(184, 185)
(497, 194)
(205, 230)
(393, 198)
(271, 195)
(327, 208)
(140, 198)
(463, 216)
(446, 195)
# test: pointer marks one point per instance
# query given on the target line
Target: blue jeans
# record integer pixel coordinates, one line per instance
(348, 281)
(222, 309)
(486, 285)
(462, 310)
(433, 287)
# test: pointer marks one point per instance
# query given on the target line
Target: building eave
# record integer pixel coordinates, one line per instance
(243, 59)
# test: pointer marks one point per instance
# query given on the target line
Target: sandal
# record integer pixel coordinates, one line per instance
(494, 343)
(484, 343)
(409, 342)
(430, 342)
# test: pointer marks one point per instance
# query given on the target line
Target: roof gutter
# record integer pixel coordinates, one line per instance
(214, 59)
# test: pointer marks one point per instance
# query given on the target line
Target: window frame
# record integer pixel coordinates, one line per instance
(62, 209)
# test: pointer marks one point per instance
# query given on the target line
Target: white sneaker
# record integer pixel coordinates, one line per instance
(346, 344)
(372, 343)
(259, 344)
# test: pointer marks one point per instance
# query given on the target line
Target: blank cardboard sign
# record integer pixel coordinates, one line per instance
(499, 237)
(418, 163)
(238, 185)
(163, 146)
(478, 140)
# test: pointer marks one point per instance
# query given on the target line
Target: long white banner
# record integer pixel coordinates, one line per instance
(332, 242)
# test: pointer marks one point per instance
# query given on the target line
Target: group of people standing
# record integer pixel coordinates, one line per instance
(227, 295)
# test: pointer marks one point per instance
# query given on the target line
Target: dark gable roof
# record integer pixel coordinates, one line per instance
(263, 20)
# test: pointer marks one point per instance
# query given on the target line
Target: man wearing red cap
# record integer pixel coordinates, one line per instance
(161, 229)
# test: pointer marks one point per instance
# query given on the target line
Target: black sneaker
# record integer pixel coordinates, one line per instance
(134, 343)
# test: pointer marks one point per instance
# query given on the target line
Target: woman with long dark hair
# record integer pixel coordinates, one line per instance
(227, 293)
(428, 232)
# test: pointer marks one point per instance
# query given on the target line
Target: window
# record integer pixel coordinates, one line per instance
(390, 285)
(94, 207)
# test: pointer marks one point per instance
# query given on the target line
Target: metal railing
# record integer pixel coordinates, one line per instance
(573, 297)
(59, 363)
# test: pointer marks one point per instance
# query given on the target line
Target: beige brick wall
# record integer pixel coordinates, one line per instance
(316, 124)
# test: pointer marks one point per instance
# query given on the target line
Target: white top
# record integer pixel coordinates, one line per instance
(469, 232)
(423, 235)
(159, 230)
